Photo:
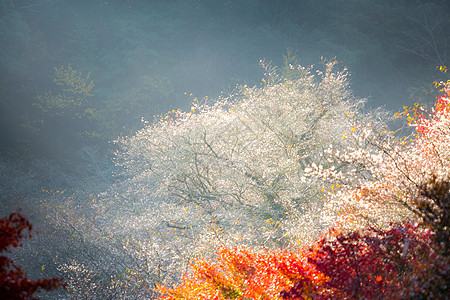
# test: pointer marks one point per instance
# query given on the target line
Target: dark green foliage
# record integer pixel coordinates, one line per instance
(434, 208)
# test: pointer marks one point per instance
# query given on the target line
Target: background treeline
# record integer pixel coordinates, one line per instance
(139, 58)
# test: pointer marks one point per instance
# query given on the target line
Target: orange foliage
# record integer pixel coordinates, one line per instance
(241, 274)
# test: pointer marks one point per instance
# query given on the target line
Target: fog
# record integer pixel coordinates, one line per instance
(77, 75)
(144, 55)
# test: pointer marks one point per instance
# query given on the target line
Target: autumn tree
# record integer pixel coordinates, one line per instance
(399, 177)
(409, 178)
(14, 284)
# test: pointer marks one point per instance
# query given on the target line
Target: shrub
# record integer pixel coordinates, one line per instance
(14, 284)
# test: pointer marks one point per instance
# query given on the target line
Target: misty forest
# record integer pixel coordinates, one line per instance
(220, 149)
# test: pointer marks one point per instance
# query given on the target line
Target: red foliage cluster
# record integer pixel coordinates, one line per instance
(372, 264)
(14, 284)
